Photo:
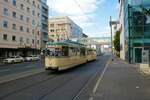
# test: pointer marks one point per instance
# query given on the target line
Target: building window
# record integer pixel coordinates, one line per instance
(21, 17)
(52, 30)
(6, 11)
(5, 37)
(38, 14)
(21, 39)
(21, 28)
(14, 2)
(33, 12)
(33, 3)
(14, 14)
(28, 1)
(38, 33)
(14, 26)
(33, 22)
(32, 31)
(6, 0)
(57, 30)
(13, 38)
(21, 6)
(28, 9)
(38, 42)
(51, 25)
(32, 41)
(28, 30)
(5, 24)
(27, 19)
(27, 41)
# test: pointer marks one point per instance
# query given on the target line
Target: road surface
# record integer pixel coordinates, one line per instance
(74, 84)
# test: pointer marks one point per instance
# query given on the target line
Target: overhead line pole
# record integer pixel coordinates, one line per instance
(110, 23)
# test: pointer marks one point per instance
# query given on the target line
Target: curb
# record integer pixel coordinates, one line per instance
(12, 77)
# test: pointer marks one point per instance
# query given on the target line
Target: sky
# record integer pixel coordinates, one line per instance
(91, 15)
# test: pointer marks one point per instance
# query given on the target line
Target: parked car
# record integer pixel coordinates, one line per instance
(29, 58)
(32, 58)
(36, 57)
(14, 59)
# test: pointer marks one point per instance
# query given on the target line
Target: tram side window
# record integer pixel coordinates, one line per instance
(73, 51)
(65, 51)
(49, 53)
(82, 52)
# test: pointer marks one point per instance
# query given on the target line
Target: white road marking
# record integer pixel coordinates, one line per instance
(4, 70)
(99, 80)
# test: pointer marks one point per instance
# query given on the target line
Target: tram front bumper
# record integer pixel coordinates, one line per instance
(51, 68)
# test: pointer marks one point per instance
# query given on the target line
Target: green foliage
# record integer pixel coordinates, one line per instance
(117, 41)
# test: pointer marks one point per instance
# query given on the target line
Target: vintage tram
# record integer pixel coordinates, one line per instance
(63, 55)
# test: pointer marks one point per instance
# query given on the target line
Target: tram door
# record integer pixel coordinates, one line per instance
(137, 55)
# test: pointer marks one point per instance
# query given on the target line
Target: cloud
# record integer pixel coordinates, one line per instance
(82, 12)
(73, 7)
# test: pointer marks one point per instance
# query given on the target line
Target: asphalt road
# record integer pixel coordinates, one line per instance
(8, 69)
(74, 84)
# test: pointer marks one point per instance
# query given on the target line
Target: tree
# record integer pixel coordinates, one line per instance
(117, 41)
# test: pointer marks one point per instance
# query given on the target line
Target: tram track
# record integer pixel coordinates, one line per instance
(60, 75)
(29, 86)
(86, 84)
(76, 82)
(68, 81)
(56, 88)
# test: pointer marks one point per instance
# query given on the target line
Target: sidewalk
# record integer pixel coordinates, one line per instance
(123, 81)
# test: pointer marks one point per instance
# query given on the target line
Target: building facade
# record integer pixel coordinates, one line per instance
(44, 23)
(19, 27)
(121, 25)
(63, 28)
(135, 29)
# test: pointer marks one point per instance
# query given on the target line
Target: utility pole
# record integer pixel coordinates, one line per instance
(110, 23)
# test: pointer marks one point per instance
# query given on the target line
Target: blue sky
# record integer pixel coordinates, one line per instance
(91, 15)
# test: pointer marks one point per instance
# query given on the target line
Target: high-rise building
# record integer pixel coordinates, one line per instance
(20, 32)
(135, 30)
(63, 28)
(44, 23)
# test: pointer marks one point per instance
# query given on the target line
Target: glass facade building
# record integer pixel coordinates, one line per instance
(136, 29)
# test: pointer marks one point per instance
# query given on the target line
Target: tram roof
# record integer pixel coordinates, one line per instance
(68, 42)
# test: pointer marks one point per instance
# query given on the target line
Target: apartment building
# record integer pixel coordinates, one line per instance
(20, 27)
(135, 28)
(63, 28)
(44, 23)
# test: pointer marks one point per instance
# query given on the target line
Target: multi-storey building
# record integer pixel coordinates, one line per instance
(19, 27)
(63, 28)
(135, 28)
(44, 23)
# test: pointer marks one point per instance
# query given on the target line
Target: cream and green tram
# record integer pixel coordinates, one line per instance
(67, 54)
